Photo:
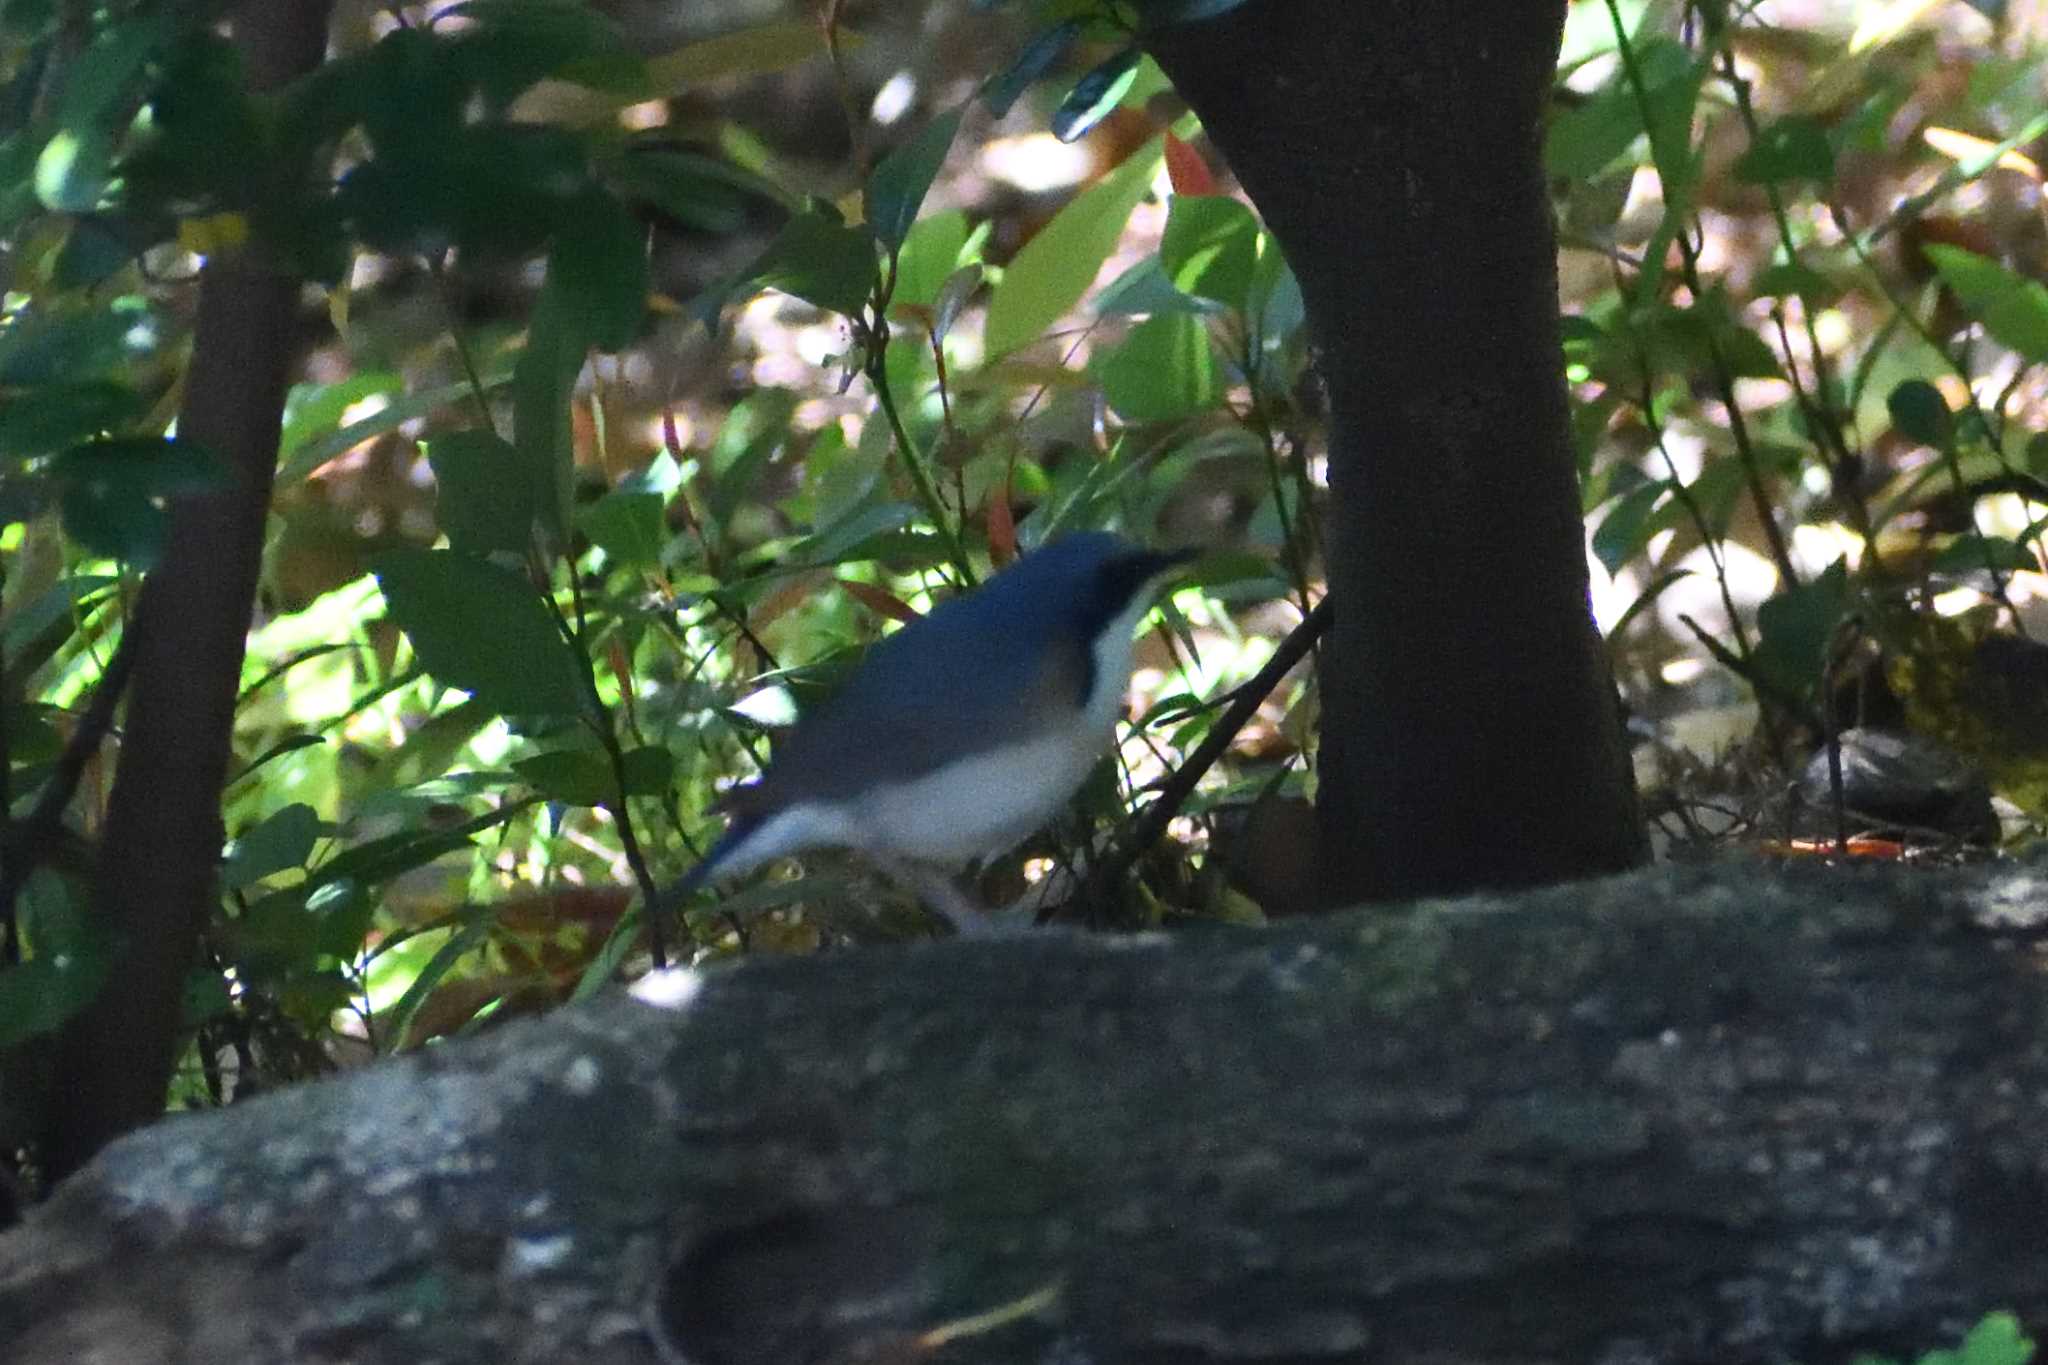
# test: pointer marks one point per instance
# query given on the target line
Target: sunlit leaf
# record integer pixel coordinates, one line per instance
(316, 450)
(1210, 247)
(1166, 368)
(1048, 277)
(1971, 150)
(749, 52)
(1584, 140)
(930, 254)
(482, 629)
(1145, 288)
(1097, 92)
(73, 171)
(2013, 309)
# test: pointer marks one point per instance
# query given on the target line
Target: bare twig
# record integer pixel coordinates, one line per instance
(1145, 830)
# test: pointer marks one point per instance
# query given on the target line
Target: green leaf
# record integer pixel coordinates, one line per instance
(897, 187)
(929, 256)
(1997, 1339)
(73, 171)
(1144, 289)
(97, 80)
(481, 499)
(470, 938)
(2013, 309)
(92, 251)
(491, 187)
(1038, 57)
(1097, 93)
(583, 777)
(541, 384)
(755, 51)
(1164, 369)
(1584, 141)
(46, 419)
(697, 191)
(628, 527)
(71, 962)
(1972, 552)
(1796, 627)
(1791, 148)
(597, 274)
(314, 410)
(318, 450)
(1054, 269)
(1920, 413)
(64, 348)
(1795, 280)
(821, 262)
(482, 629)
(1210, 247)
(569, 28)
(1624, 531)
(114, 491)
(284, 840)
(393, 855)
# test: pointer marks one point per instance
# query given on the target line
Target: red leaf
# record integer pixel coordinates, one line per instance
(880, 602)
(1002, 526)
(1186, 169)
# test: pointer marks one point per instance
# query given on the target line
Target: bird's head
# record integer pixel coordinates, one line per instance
(1088, 584)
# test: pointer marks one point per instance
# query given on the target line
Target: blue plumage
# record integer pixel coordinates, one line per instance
(964, 730)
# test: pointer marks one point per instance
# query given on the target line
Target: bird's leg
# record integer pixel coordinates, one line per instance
(939, 893)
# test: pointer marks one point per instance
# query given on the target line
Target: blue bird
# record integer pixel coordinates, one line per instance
(961, 734)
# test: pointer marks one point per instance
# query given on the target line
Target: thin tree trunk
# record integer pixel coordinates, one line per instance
(1470, 734)
(157, 881)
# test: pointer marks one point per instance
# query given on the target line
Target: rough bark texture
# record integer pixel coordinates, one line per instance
(1702, 1114)
(162, 840)
(1470, 736)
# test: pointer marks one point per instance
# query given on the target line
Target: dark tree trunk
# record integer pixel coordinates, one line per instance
(1470, 735)
(157, 880)
(1695, 1115)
